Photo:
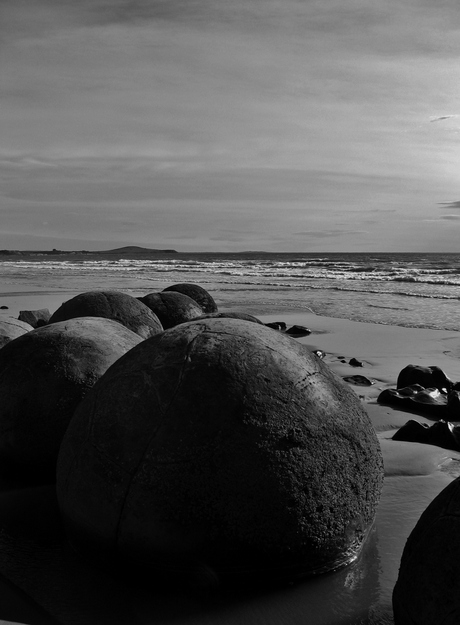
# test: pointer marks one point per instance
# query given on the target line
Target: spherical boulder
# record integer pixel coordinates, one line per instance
(426, 591)
(43, 376)
(11, 328)
(221, 444)
(172, 307)
(197, 293)
(121, 307)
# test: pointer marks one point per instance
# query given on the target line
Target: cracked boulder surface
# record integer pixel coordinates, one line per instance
(172, 307)
(220, 444)
(44, 374)
(197, 293)
(120, 307)
(11, 328)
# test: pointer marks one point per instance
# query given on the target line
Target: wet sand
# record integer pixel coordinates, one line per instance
(42, 575)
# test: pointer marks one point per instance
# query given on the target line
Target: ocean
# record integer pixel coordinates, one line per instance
(407, 289)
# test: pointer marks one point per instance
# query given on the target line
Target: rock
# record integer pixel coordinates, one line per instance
(36, 318)
(43, 376)
(298, 331)
(276, 325)
(172, 307)
(231, 315)
(428, 401)
(355, 363)
(3, 307)
(319, 353)
(11, 328)
(220, 444)
(426, 591)
(442, 433)
(197, 293)
(425, 376)
(358, 380)
(120, 307)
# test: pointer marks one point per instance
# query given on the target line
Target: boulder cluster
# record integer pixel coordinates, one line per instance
(184, 439)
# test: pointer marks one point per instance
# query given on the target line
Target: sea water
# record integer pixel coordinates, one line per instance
(413, 290)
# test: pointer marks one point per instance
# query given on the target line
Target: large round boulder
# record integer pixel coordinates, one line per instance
(172, 307)
(121, 307)
(197, 293)
(231, 315)
(44, 374)
(221, 445)
(427, 589)
(11, 328)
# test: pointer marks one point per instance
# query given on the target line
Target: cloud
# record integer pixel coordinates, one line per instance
(450, 204)
(326, 234)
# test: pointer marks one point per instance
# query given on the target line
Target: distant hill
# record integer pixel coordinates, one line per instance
(135, 249)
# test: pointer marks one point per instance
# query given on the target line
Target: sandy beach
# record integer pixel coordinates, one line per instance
(43, 576)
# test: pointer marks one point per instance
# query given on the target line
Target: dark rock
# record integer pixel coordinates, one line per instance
(36, 318)
(127, 310)
(172, 307)
(3, 307)
(276, 325)
(358, 380)
(355, 363)
(250, 474)
(197, 293)
(319, 353)
(426, 591)
(43, 376)
(428, 401)
(298, 331)
(11, 328)
(231, 315)
(427, 377)
(442, 433)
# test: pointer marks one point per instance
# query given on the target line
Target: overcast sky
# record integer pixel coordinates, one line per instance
(278, 125)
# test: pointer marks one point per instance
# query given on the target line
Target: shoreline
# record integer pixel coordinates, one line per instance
(414, 474)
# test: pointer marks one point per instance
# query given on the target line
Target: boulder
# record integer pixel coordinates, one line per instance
(223, 446)
(427, 377)
(354, 362)
(277, 325)
(426, 590)
(36, 318)
(11, 328)
(197, 293)
(43, 376)
(121, 307)
(172, 307)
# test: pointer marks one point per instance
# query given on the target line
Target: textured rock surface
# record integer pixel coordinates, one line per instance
(36, 318)
(11, 328)
(197, 293)
(43, 376)
(225, 445)
(121, 307)
(426, 591)
(172, 307)
(232, 315)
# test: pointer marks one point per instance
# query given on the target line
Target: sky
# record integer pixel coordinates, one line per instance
(230, 125)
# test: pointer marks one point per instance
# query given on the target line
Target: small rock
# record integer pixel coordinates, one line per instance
(276, 325)
(35, 318)
(3, 307)
(298, 331)
(319, 353)
(358, 380)
(355, 363)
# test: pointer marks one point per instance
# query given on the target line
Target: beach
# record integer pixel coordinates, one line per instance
(42, 575)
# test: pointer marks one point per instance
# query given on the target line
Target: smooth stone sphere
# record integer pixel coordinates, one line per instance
(223, 446)
(197, 293)
(172, 307)
(121, 307)
(44, 374)
(11, 328)
(427, 589)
